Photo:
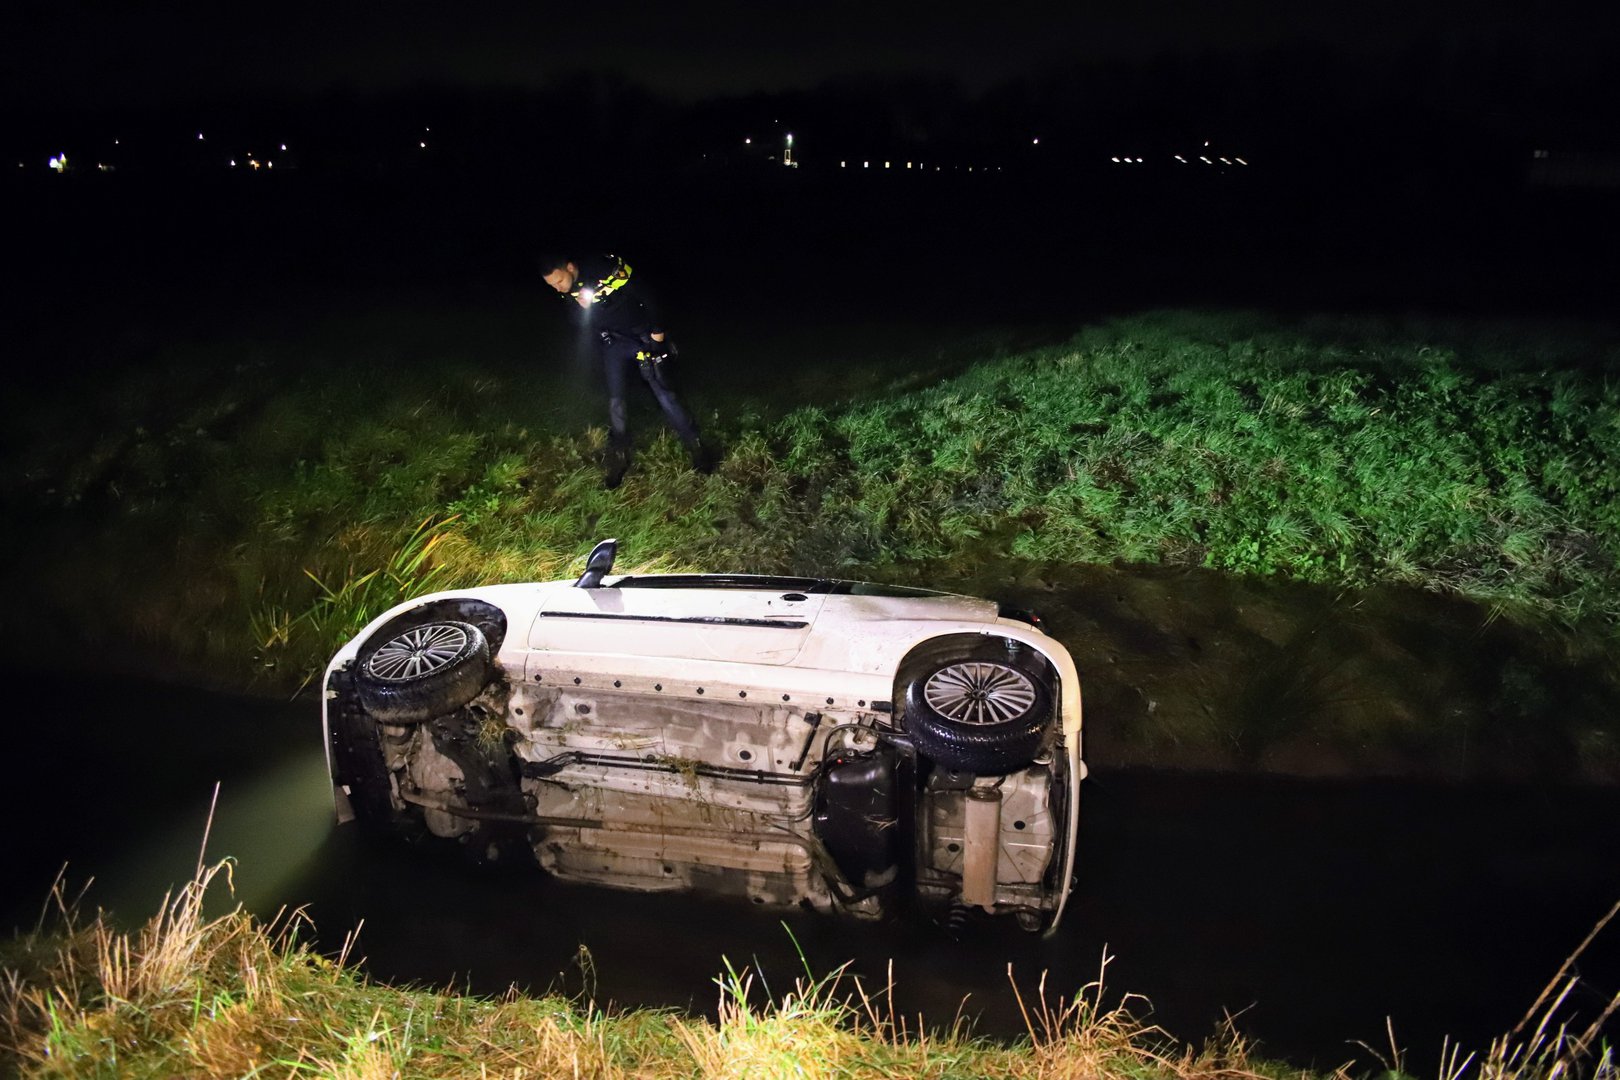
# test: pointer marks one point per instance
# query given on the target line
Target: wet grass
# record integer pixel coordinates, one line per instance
(260, 501)
(191, 995)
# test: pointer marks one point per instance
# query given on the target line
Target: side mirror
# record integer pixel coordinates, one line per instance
(598, 564)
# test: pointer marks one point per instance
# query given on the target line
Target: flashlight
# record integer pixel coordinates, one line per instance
(587, 296)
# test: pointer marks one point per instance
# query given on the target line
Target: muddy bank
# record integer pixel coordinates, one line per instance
(1199, 670)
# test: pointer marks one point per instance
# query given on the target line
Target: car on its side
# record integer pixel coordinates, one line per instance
(843, 746)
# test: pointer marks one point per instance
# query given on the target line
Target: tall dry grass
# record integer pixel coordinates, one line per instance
(189, 996)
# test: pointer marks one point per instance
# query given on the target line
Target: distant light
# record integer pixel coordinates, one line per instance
(233, 163)
(423, 145)
(843, 164)
(284, 146)
(1206, 142)
(748, 142)
(199, 136)
(1114, 160)
(1205, 160)
(1240, 161)
(59, 163)
(908, 164)
(269, 164)
(115, 142)
(1139, 161)
(885, 164)
(1225, 162)
(866, 164)
(1035, 142)
(1181, 159)
(790, 138)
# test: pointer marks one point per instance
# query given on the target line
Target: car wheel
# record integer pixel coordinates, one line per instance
(422, 672)
(978, 715)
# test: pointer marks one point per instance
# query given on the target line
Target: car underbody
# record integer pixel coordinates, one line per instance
(781, 785)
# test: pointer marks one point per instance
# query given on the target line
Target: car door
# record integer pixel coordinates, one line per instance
(738, 620)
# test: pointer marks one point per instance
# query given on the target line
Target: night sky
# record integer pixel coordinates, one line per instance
(84, 55)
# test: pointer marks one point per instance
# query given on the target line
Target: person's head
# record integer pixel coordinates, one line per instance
(560, 272)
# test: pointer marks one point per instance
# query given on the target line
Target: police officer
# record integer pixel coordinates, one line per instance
(609, 301)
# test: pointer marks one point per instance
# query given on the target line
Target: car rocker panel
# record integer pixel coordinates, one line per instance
(795, 742)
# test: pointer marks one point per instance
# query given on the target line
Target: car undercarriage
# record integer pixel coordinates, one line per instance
(776, 785)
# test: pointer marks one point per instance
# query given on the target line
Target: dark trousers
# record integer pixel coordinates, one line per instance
(618, 357)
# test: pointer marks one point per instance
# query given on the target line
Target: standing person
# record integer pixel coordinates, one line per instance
(610, 302)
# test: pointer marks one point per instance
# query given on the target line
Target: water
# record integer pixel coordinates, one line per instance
(1314, 909)
(1442, 894)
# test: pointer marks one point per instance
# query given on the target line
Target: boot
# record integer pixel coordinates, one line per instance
(703, 459)
(616, 462)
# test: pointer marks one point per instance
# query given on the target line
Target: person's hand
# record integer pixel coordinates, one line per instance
(657, 348)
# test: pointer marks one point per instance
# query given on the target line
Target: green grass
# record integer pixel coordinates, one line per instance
(229, 996)
(266, 509)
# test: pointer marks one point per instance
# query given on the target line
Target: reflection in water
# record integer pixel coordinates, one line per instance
(271, 825)
(1190, 668)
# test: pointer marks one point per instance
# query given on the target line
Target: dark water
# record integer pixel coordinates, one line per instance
(1313, 908)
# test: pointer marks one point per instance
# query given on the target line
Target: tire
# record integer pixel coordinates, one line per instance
(978, 715)
(426, 671)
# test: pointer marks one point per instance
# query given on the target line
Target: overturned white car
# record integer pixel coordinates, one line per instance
(796, 741)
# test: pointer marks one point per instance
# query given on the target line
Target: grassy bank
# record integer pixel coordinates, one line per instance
(189, 995)
(260, 502)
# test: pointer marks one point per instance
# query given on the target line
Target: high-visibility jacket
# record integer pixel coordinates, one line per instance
(619, 301)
